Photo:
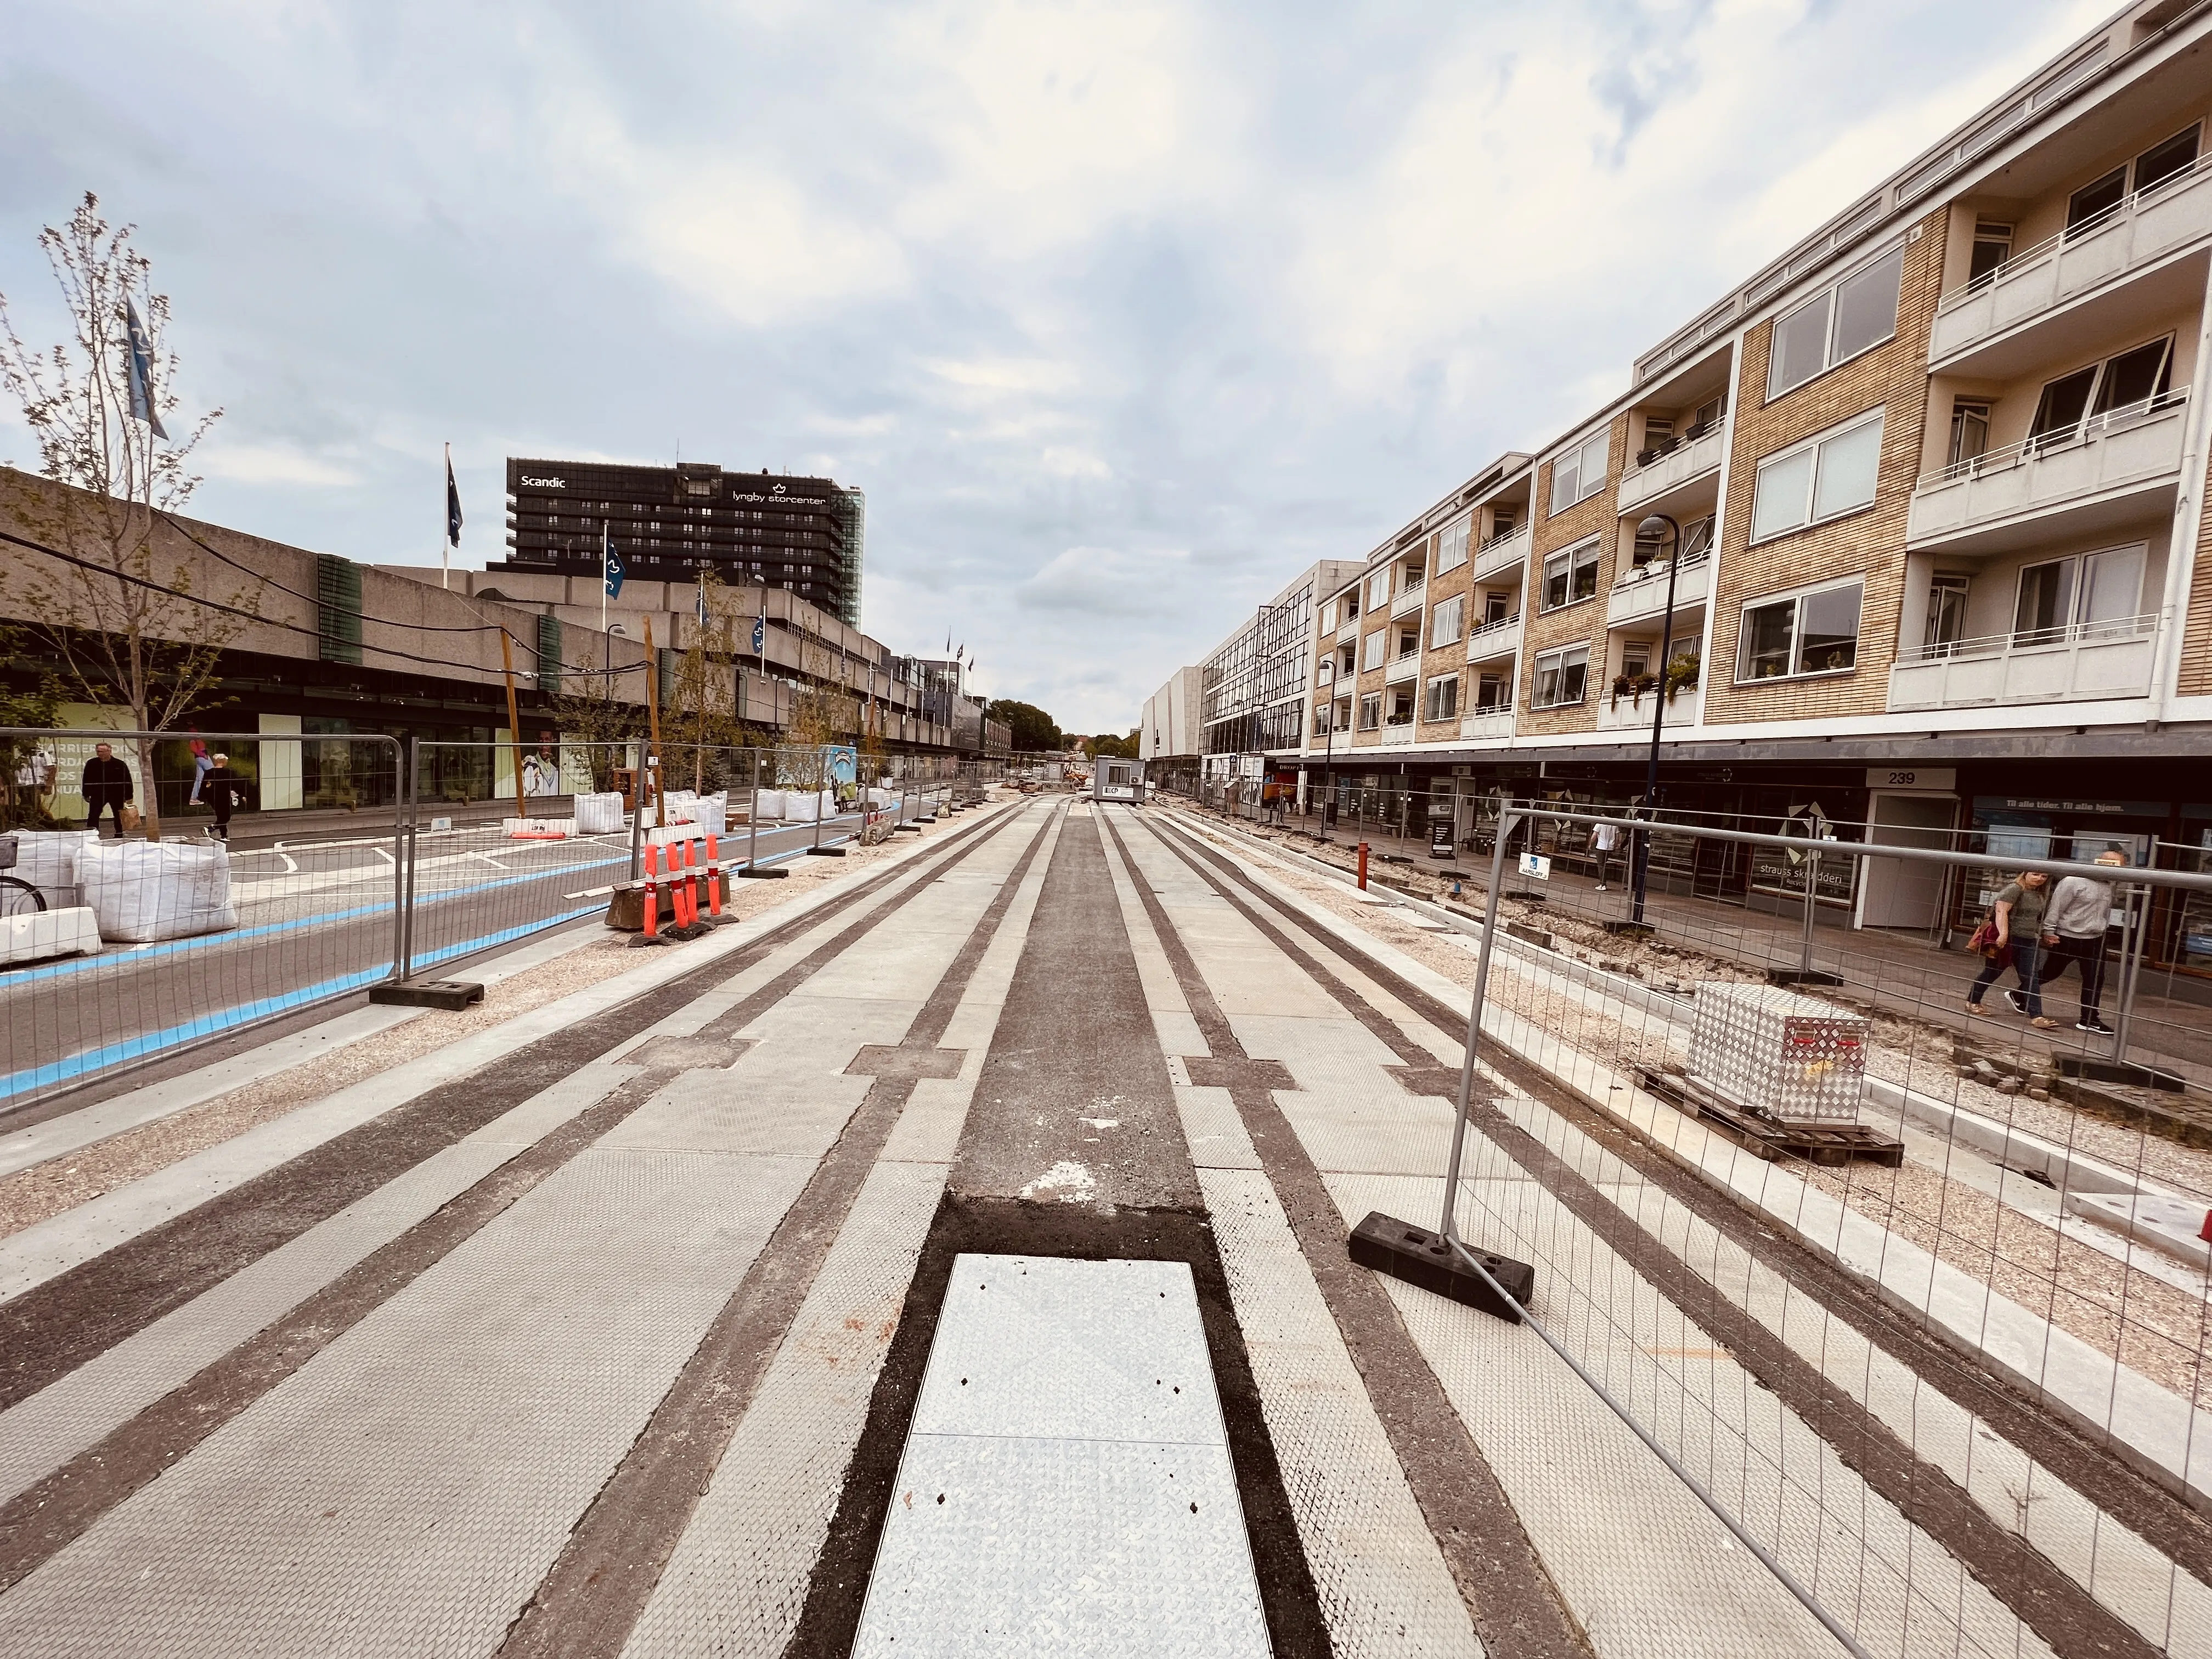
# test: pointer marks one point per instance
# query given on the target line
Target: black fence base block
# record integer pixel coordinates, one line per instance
(1423, 1258)
(1802, 976)
(643, 941)
(910, 828)
(2118, 1071)
(451, 994)
(1630, 929)
(825, 852)
(764, 872)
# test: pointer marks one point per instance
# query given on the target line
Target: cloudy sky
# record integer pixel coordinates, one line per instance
(1120, 312)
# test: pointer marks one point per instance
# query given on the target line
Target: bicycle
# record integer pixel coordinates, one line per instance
(17, 896)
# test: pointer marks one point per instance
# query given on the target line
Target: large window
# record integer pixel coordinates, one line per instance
(1835, 325)
(1570, 574)
(1580, 473)
(1446, 621)
(2088, 208)
(2091, 595)
(1822, 478)
(1443, 700)
(1409, 640)
(1371, 711)
(1451, 546)
(1378, 589)
(1562, 677)
(2134, 379)
(1815, 632)
(1378, 643)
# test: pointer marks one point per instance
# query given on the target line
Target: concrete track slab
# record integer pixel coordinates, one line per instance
(1214, 1130)
(404, 1490)
(735, 1585)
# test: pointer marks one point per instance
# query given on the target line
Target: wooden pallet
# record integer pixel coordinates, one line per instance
(1829, 1145)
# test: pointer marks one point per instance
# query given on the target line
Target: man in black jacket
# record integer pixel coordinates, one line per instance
(221, 789)
(107, 787)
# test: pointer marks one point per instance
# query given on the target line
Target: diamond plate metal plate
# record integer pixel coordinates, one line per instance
(735, 1585)
(405, 1490)
(1066, 1485)
(1382, 1584)
(1214, 1129)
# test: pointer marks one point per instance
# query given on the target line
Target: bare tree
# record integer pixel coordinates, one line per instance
(125, 628)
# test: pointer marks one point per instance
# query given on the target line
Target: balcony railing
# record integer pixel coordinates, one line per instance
(1697, 451)
(1502, 552)
(2132, 235)
(1408, 601)
(2136, 447)
(1631, 712)
(1404, 667)
(1498, 639)
(2077, 663)
(1396, 730)
(1496, 721)
(1642, 594)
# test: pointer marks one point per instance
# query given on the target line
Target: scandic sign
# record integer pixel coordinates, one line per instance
(544, 483)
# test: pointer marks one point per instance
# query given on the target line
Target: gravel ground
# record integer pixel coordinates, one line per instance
(46, 1190)
(2159, 1329)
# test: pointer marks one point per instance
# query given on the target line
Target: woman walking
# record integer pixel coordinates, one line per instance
(2015, 938)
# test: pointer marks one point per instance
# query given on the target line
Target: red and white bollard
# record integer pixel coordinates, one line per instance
(714, 916)
(652, 934)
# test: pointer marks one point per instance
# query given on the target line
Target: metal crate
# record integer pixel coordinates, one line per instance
(1788, 1058)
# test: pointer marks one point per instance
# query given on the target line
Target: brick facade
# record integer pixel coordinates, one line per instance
(1870, 542)
(1582, 622)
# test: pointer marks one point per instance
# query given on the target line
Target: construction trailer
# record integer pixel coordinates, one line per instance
(1118, 780)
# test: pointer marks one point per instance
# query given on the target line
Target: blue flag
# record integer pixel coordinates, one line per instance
(611, 562)
(141, 371)
(759, 634)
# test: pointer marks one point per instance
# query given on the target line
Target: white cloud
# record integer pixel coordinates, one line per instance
(270, 464)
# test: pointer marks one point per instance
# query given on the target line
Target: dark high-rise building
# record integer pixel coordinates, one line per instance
(803, 534)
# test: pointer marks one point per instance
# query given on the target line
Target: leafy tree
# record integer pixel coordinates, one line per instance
(1107, 743)
(1034, 730)
(119, 620)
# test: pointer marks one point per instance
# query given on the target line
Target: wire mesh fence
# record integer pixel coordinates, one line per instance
(295, 869)
(2008, 1191)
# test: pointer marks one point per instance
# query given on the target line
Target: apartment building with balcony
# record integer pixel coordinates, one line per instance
(1907, 529)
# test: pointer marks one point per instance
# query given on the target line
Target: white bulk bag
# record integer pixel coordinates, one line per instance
(141, 891)
(47, 859)
(676, 806)
(712, 813)
(598, 815)
(771, 803)
(800, 806)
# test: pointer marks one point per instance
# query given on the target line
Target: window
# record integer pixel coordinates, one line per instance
(1401, 707)
(1445, 622)
(1443, 698)
(1570, 574)
(1371, 711)
(1409, 642)
(1492, 692)
(1580, 473)
(1562, 676)
(1834, 327)
(2089, 207)
(2090, 595)
(1351, 603)
(1347, 659)
(1378, 643)
(1496, 607)
(1992, 247)
(1504, 520)
(1970, 429)
(1946, 613)
(2133, 381)
(1813, 633)
(1451, 546)
(1414, 573)
(1378, 590)
(1819, 479)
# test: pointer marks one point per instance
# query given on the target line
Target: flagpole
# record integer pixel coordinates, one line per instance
(604, 544)
(445, 553)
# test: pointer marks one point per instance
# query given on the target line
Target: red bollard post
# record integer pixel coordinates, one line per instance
(686, 905)
(652, 934)
(1363, 866)
(692, 856)
(714, 916)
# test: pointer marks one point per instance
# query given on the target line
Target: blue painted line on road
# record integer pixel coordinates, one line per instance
(90, 1060)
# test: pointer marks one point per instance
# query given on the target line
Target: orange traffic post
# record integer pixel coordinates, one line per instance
(652, 934)
(680, 878)
(714, 916)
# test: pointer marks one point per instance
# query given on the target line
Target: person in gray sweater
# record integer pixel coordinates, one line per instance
(2074, 927)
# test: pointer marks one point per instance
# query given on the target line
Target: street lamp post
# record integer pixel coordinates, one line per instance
(1328, 761)
(1657, 523)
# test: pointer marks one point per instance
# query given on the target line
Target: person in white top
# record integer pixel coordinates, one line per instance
(2074, 927)
(1603, 839)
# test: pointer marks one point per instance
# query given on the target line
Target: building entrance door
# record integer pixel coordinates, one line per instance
(1899, 892)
